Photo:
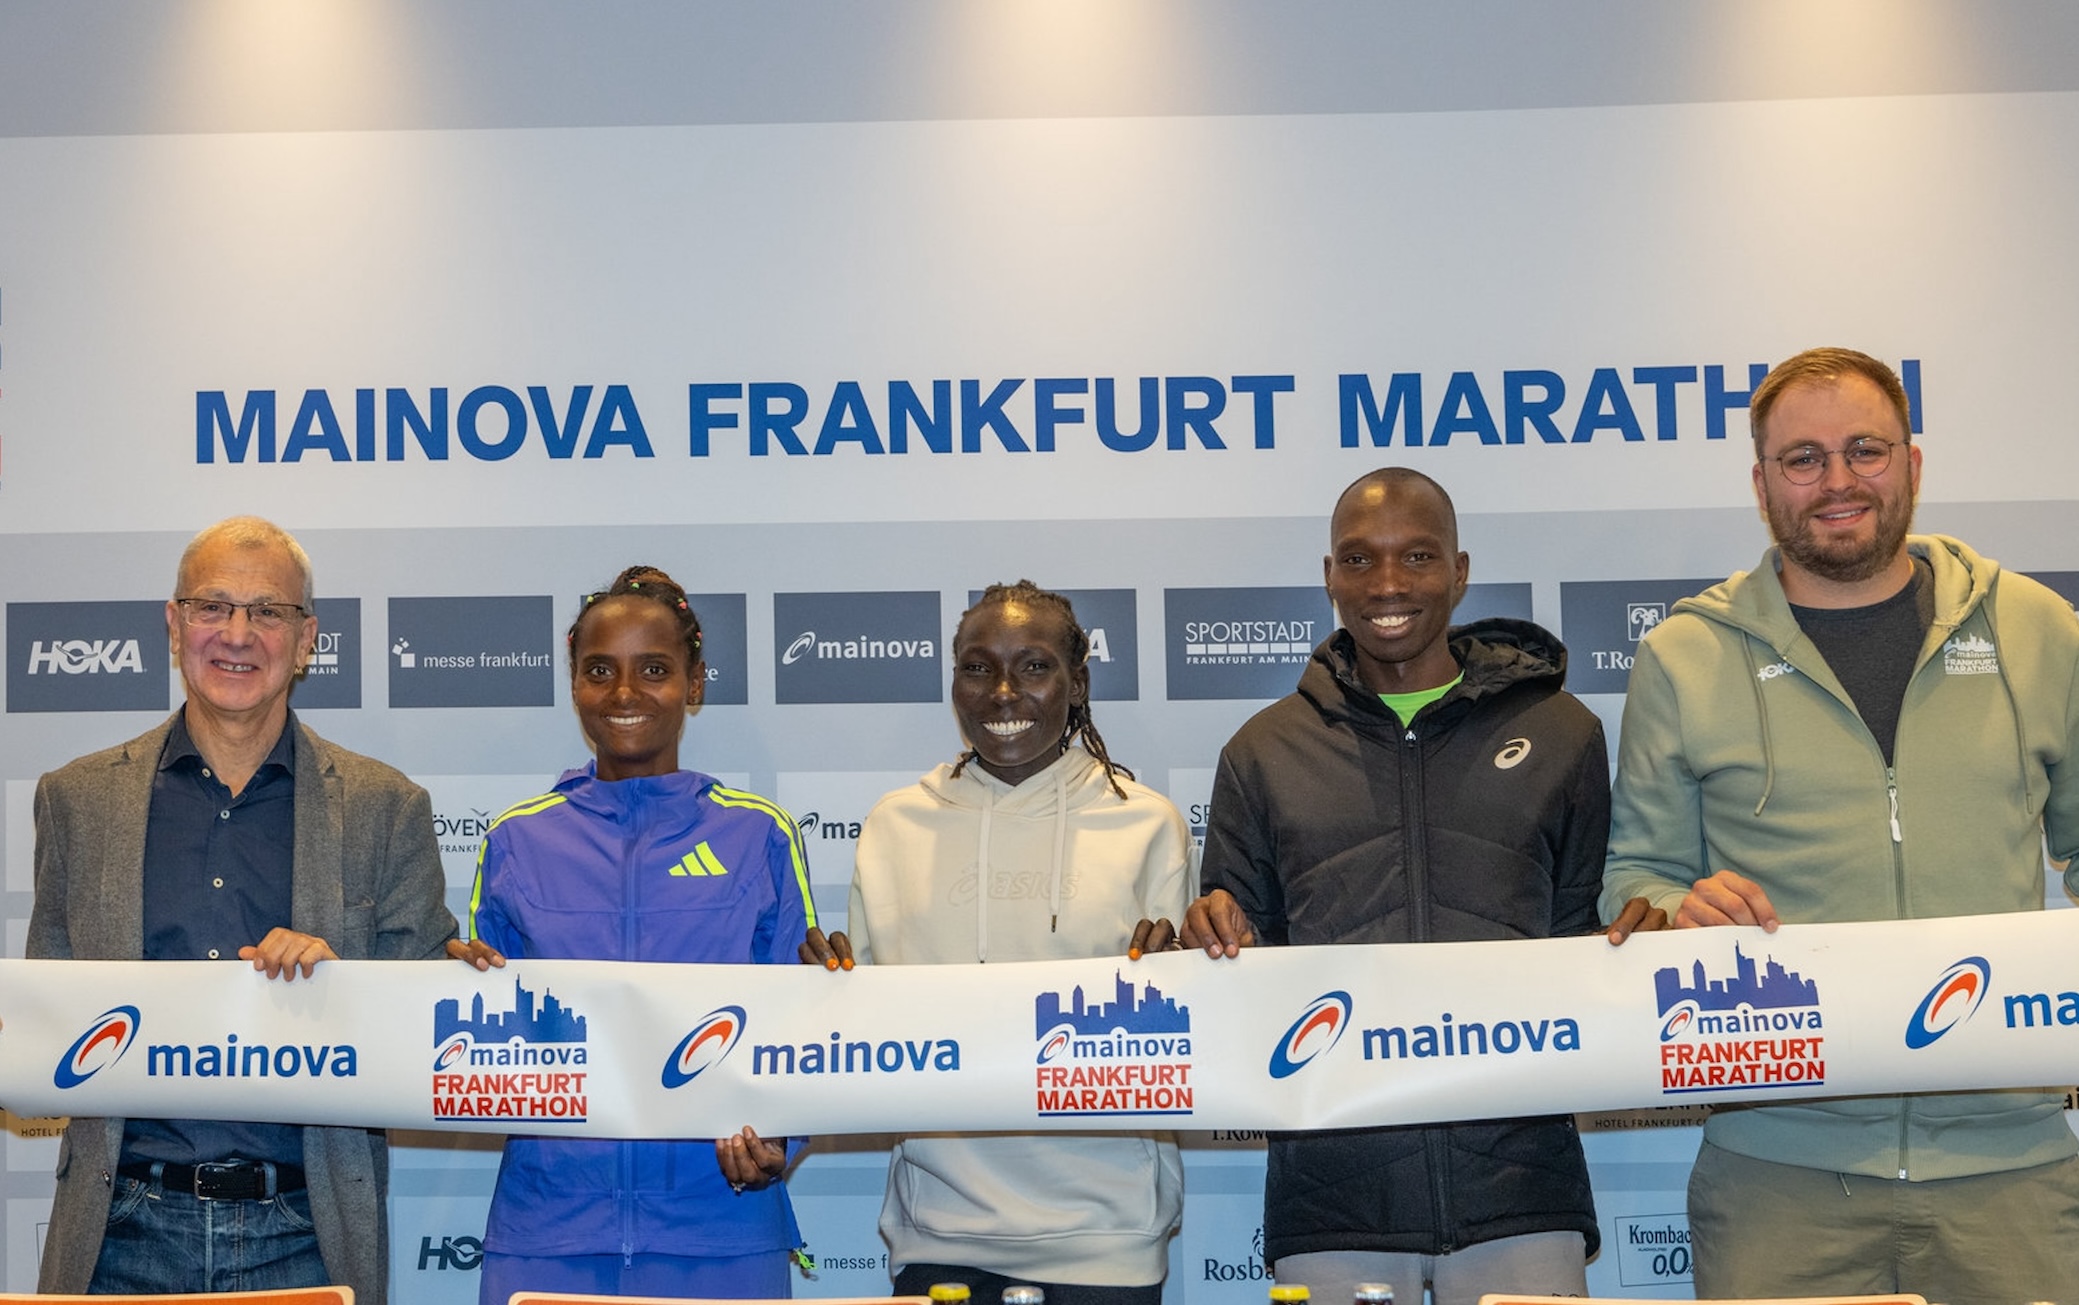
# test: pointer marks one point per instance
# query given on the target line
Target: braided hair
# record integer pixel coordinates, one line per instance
(644, 582)
(1078, 654)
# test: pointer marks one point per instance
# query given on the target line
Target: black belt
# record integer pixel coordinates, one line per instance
(222, 1180)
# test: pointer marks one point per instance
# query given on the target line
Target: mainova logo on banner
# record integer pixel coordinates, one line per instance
(472, 652)
(1602, 622)
(87, 657)
(1481, 601)
(857, 647)
(723, 631)
(333, 678)
(1109, 617)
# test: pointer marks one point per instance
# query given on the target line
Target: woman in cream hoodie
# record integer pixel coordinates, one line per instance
(1033, 845)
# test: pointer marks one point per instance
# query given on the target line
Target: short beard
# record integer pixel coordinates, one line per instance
(1795, 537)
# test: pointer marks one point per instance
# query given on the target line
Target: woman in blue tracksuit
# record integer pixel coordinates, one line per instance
(632, 859)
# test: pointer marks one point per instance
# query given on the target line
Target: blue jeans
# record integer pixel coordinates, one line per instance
(168, 1241)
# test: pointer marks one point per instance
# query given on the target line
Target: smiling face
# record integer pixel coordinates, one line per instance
(631, 685)
(1394, 573)
(1843, 537)
(1013, 687)
(235, 675)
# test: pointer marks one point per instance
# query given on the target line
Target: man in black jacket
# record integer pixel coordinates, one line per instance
(1423, 785)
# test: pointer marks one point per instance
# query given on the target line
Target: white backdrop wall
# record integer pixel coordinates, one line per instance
(805, 302)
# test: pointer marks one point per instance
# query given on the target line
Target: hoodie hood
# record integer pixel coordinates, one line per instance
(1753, 602)
(1493, 655)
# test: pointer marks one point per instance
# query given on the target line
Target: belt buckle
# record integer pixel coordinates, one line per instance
(230, 1180)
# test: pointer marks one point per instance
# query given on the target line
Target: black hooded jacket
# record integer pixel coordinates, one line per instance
(1485, 818)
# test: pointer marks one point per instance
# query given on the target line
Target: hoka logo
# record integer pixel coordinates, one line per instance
(700, 861)
(1774, 669)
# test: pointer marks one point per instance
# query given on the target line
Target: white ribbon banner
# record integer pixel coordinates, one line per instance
(1295, 1037)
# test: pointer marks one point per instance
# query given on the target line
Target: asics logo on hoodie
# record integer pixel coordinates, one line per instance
(1512, 752)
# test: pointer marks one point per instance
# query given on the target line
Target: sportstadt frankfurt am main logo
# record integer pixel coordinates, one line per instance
(102, 1045)
(1954, 999)
(1319, 1027)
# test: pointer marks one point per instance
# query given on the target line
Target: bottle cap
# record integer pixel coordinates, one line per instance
(949, 1291)
(1290, 1292)
(1024, 1295)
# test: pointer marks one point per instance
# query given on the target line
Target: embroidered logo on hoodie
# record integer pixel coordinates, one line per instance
(1773, 669)
(1969, 654)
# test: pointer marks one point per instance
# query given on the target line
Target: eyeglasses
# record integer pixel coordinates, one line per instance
(212, 612)
(1866, 457)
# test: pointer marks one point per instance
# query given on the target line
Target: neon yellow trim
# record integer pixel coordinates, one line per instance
(736, 797)
(527, 808)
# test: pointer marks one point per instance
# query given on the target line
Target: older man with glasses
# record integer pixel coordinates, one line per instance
(230, 832)
(1870, 725)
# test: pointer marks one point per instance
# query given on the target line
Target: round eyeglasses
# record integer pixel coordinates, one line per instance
(1866, 457)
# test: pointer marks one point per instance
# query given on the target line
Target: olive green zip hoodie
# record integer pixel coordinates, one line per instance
(1741, 751)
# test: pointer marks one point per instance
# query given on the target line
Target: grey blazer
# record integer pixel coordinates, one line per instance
(367, 879)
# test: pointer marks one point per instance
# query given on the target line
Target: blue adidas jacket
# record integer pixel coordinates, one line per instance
(671, 868)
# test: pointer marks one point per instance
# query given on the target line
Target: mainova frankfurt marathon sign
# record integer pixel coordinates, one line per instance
(1283, 1038)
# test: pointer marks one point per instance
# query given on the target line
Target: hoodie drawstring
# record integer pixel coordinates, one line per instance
(1060, 847)
(1761, 712)
(982, 877)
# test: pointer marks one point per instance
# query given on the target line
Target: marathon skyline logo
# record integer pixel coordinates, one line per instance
(1755, 1029)
(1969, 654)
(1955, 997)
(1130, 1055)
(1319, 1027)
(529, 1062)
(88, 657)
(333, 677)
(470, 651)
(1602, 622)
(101, 1046)
(857, 647)
(712, 1039)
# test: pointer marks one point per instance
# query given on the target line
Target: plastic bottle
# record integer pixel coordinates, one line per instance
(1024, 1295)
(1374, 1293)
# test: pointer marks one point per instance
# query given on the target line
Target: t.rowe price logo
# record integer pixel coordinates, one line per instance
(102, 1045)
(526, 1063)
(1319, 1027)
(710, 1043)
(1756, 1028)
(1954, 998)
(1130, 1055)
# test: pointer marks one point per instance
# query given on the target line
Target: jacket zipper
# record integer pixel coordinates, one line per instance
(1415, 839)
(630, 886)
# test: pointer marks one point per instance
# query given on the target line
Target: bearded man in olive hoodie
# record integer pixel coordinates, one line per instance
(1870, 725)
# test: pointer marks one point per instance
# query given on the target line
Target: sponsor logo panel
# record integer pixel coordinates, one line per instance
(857, 647)
(472, 652)
(1652, 1249)
(1241, 642)
(1602, 622)
(1756, 1028)
(2065, 583)
(723, 634)
(88, 657)
(333, 678)
(529, 1062)
(1109, 617)
(1191, 789)
(1125, 1053)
